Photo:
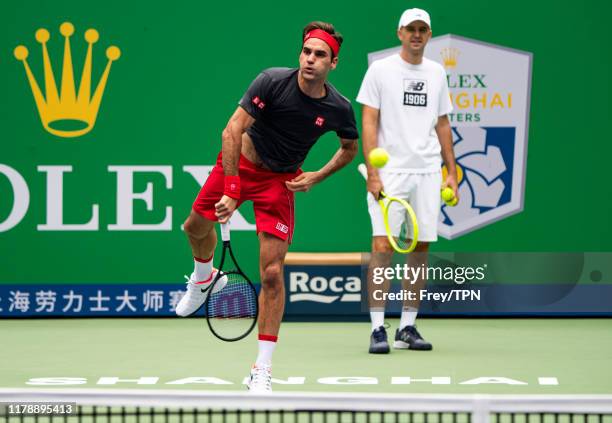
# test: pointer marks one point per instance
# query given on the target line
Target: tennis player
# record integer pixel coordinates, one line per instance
(405, 105)
(280, 117)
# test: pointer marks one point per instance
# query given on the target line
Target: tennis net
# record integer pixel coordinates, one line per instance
(143, 406)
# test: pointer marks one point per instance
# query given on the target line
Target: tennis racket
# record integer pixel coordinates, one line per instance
(393, 210)
(231, 313)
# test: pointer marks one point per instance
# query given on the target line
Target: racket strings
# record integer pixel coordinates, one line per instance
(399, 215)
(232, 310)
(404, 240)
(236, 300)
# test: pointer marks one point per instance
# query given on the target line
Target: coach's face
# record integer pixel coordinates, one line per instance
(414, 36)
(316, 60)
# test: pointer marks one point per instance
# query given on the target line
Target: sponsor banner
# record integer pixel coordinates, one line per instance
(458, 284)
(160, 300)
(323, 290)
(128, 198)
(83, 300)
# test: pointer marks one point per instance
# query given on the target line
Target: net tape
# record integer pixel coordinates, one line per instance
(319, 407)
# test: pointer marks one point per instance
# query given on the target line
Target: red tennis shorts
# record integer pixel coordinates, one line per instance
(273, 203)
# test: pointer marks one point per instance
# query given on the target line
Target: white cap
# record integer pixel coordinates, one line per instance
(412, 15)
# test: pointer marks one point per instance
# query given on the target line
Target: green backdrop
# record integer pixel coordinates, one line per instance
(184, 66)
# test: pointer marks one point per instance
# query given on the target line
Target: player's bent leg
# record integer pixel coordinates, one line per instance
(407, 336)
(203, 239)
(201, 234)
(382, 254)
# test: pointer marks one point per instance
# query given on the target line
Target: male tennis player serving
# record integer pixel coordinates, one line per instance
(405, 102)
(279, 119)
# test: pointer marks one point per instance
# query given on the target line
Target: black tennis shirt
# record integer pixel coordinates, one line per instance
(288, 122)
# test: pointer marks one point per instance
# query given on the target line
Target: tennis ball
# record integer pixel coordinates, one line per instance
(447, 194)
(378, 157)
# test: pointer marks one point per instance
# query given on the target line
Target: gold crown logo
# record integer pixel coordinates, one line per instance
(67, 107)
(449, 57)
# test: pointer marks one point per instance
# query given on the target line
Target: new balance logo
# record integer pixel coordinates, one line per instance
(319, 121)
(417, 86)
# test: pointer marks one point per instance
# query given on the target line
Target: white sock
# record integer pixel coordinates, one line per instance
(266, 348)
(408, 318)
(202, 268)
(377, 318)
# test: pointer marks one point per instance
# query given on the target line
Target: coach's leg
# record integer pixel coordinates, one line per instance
(416, 260)
(407, 337)
(380, 259)
(382, 254)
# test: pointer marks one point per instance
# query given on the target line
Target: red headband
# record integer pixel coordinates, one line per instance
(325, 36)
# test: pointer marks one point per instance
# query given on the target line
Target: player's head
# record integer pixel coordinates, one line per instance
(320, 48)
(414, 30)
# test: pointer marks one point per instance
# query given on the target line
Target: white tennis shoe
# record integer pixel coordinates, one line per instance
(197, 293)
(261, 379)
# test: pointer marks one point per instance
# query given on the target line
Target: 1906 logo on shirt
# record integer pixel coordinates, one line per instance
(415, 92)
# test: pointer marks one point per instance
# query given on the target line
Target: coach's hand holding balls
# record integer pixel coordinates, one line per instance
(448, 196)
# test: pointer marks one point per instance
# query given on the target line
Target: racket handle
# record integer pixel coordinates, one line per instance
(363, 170)
(225, 232)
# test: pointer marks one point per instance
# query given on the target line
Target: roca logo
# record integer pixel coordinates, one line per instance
(322, 290)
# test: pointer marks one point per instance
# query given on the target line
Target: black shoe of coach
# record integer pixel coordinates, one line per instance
(409, 338)
(378, 341)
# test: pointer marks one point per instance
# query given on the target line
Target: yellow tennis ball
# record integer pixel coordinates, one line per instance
(447, 194)
(378, 157)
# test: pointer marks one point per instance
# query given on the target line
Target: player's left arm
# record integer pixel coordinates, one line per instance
(445, 137)
(345, 154)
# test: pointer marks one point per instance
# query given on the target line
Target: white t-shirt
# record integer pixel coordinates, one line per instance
(410, 99)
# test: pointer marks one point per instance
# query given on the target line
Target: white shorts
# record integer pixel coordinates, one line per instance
(421, 190)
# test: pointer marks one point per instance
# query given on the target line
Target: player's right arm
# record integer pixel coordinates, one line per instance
(232, 140)
(251, 106)
(369, 124)
(232, 145)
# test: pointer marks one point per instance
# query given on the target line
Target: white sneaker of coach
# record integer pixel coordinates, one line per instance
(197, 293)
(261, 379)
